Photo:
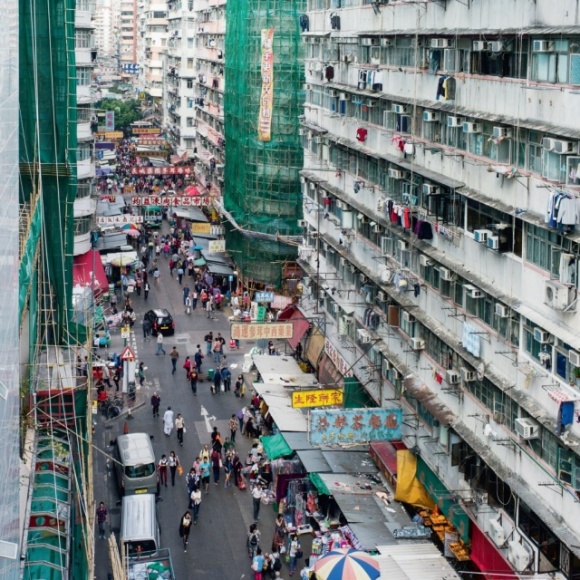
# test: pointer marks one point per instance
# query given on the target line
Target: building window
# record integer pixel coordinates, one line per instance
(83, 76)
(543, 248)
(550, 65)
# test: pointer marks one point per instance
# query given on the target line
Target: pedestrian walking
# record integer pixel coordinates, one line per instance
(193, 377)
(185, 528)
(293, 552)
(258, 564)
(226, 379)
(141, 373)
(188, 305)
(257, 494)
(187, 366)
(160, 348)
(208, 338)
(217, 382)
(195, 502)
(216, 465)
(205, 467)
(155, 401)
(162, 468)
(280, 531)
(146, 290)
(228, 469)
(233, 425)
(194, 299)
(117, 377)
(192, 481)
(168, 421)
(180, 428)
(156, 276)
(180, 274)
(174, 355)
(209, 307)
(173, 463)
(107, 376)
(102, 514)
(138, 286)
(217, 351)
(198, 358)
(253, 540)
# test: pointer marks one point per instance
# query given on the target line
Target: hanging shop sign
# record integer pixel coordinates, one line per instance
(199, 228)
(355, 425)
(170, 200)
(257, 331)
(145, 130)
(109, 134)
(317, 398)
(264, 296)
(216, 247)
(342, 366)
(267, 96)
(110, 121)
(116, 220)
(151, 141)
(161, 171)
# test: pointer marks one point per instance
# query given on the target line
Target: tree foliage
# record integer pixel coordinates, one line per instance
(126, 111)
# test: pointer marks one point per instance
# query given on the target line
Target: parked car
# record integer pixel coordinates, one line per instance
(161, 321)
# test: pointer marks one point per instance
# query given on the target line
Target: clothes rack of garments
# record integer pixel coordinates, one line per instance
(446, 88)
(329, 73)
(304, 22)
(561, 210)
(371, 319)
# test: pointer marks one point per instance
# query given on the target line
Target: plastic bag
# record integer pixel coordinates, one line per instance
(179, 470)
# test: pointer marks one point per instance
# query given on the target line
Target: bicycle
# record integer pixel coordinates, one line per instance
(112, 407)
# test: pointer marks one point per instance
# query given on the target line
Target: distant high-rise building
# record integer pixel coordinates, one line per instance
(105, 29)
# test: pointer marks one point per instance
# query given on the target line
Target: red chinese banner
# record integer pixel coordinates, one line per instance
(145, 130)
(251, 331)
(170, 200)
(267, 96)
(161, 171)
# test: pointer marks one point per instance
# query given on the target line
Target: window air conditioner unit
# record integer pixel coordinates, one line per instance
(342, 205)
(334, 307)
(396, 173)
(467, 376)
(399, 109)
(452, 377)
(472, 291)
(454, 121)
(301, 223)
(556, 295)
(367, 41)
(496, 533)
(502, 311)
(564, 147)
(370, 102)
(542, 336)
(493, 242)
(574, 358)
(518, 556)
(496, 46)
(425, 261)
(417, 343)
(382, 296)
(430, 116)
(363, 336)
(542, 46)
(376, 229)
(471, 128)
(430, 189)
(408, 318)
(548, 143)
(312, 186)
(362, 277)
(402, 245)
(318, 140)
(480, 236)
(501, 132)
(332, 93)
(321, 294)
(352, 268)
(342, 261)
(344, 97)
(386, 42)
(527, 428)
(439, 43)
(479, 45)
(446, 274)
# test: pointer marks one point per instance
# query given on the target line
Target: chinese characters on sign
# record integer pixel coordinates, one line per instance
(342, 366)
(264, 296)
(120, 219)
(317, 398)
(145, 130)
(249, 331)
(199, 228)
(169, 200)
(354, 425)
(110, 134)
(216, 246)
(110, 121)
(267, 96)
(161, 171)
(151, 141)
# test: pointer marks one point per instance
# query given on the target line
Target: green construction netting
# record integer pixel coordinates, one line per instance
(262, 184)
(275, 446)
(48, 142)
(318, 483)
(26, 271)
(47, 538)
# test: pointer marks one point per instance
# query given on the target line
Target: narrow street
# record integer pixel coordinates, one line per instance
(217, 546)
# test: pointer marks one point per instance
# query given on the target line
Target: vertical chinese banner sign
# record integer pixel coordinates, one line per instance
(267, 96)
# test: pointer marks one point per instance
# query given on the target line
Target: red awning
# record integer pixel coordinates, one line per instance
(486, 556)
(83, 267)
(301, 324)
(329, 375)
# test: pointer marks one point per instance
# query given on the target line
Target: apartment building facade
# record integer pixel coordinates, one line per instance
(126, 19)
(152, 40)
(441, 244)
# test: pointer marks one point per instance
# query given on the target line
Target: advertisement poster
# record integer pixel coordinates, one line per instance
(267, 96)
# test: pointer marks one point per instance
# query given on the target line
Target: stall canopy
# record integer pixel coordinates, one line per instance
(409, 489)
(315, 347)
(299, 322)
(275, 446)
(88, 271)
(283, 370)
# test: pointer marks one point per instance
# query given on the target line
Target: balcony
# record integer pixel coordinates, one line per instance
(84, 207)
(86, 56)
(82, 244)
(85, 169)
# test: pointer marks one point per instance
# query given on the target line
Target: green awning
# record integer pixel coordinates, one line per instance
(199, 262)
(318, 483)
(275, 446)
(441, 496)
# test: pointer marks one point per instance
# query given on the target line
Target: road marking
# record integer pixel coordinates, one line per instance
(207, 418)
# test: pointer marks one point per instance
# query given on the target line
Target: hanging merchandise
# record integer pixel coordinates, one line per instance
(440, 89)
(329, 73)
(304, 22)
(361, 134)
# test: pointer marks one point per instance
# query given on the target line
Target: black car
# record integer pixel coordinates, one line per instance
(161, 321)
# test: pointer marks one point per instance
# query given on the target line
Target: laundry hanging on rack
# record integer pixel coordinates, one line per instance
(329, 73)
(561, 210)
(446, 88)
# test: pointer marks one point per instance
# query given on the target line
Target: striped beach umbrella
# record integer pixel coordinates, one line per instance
(347, 564)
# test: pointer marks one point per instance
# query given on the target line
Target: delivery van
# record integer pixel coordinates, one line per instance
(139, 526)
(135, 464)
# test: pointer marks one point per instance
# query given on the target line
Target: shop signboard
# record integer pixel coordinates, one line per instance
(109, 134)
(216, 246)
(317, 398)
(162, 170)
(117, 220)
(199, 228)
(330, 426)
(258, 331)
(342, 366)
(264, 296)
(146, 130)
(170, 200)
